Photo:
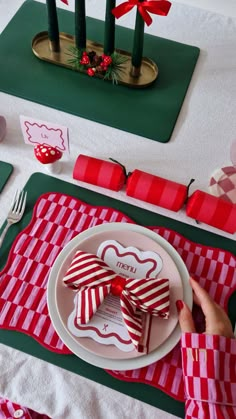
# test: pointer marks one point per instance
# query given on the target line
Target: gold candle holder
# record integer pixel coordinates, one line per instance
(128, 76)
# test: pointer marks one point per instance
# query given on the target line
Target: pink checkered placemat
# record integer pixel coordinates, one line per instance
(57, 218)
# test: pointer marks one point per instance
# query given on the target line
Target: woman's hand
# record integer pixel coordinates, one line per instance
(217, 321)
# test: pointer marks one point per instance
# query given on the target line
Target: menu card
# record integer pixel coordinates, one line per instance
(107, 326)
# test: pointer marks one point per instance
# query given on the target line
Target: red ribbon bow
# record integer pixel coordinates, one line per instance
(158, 7)
(95, 280)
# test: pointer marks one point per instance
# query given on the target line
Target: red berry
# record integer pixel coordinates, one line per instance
(91, 72)
(107, 60)
(84, 60)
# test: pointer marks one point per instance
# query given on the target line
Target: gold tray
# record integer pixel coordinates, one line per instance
(41, 48)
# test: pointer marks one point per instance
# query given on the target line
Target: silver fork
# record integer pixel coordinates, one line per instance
(16, 212)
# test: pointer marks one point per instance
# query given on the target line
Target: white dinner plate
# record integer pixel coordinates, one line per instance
(104, 356)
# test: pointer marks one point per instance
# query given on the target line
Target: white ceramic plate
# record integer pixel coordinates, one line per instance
(85, 348)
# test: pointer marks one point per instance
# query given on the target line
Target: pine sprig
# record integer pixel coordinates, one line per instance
(77, 55)
(93, 64)
(115, 69)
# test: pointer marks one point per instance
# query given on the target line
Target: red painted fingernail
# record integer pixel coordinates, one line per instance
(179, 305)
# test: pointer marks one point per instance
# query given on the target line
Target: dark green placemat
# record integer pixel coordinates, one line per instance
(151, 112)
(5, 172)
(39, 184)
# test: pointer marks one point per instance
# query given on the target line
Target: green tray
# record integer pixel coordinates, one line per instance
(39, 184)
(150, 112)
(5, 172)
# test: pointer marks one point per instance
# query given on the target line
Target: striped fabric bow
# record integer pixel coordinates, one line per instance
(95, 280)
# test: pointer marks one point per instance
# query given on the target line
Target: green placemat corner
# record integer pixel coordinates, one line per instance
(6, 170)
(91, 98)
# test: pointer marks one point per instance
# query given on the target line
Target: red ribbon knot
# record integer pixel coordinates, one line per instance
(117, 285)
(157, 7)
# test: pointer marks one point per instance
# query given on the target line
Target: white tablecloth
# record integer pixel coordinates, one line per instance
(200, 143)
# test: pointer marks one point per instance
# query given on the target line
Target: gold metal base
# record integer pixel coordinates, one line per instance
(42, 48)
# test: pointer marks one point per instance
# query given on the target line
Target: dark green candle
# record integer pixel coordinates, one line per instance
(109, 33)
(53, 31)
(137, 52)
(80, 24)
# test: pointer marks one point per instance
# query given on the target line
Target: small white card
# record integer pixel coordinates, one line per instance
(36, 132)
(107, 325)
(129, 261)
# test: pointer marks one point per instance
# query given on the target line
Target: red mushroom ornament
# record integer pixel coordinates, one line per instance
(46, 154)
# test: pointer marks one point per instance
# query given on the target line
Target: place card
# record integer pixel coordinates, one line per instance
(36, 131)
